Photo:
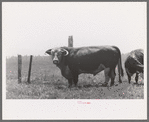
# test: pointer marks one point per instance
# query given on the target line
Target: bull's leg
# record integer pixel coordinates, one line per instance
(112, 75)
(136, 78)
(75, 79)
(106, 72)
(70, 83)
(142, 75)
(129, 77)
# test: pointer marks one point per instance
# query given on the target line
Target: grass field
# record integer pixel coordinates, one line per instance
(47, 83)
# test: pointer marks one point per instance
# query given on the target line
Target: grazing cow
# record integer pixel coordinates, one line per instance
(74, 61)
(134, 64)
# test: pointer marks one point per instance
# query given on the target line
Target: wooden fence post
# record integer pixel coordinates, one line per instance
(70, 41)
(29, 72)
(19, 68)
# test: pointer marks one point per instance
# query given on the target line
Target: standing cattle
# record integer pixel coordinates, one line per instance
(134, 64)
(74, 61)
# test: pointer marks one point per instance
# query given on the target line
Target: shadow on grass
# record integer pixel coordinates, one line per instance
(137, 84)
(90, 86)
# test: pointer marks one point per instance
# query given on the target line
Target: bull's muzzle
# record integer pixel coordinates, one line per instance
(55, 62)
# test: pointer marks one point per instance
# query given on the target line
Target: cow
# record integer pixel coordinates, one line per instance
(134, 64)
(92, 60)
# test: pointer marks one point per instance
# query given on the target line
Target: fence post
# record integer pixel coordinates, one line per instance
(19, 68)
(70, 41)
(29, 71)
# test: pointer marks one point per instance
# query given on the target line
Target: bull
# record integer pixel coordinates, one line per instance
(74, 61)
(134, 64)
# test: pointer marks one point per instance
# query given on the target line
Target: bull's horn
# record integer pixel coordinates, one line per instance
(49, 51)
(66, 52)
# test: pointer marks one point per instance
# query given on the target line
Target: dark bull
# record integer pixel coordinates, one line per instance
(74, 61)
(134, 64)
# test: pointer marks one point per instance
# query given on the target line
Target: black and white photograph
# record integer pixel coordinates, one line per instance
(74, 60)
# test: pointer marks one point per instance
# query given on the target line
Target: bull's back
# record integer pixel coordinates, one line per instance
(89, 58)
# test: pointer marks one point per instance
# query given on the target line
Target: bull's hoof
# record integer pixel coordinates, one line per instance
(120, 81)
(70, 86)
(104, 84)
(116, 84)
(76, 85)
(112, 84)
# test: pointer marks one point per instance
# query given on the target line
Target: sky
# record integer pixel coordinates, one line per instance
(31, 28)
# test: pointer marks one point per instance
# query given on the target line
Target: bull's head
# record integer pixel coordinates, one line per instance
(57, 54)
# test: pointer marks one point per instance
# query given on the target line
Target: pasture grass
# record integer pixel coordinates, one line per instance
(47, 83)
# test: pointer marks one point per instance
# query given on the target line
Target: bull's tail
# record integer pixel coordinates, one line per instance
(120, 69)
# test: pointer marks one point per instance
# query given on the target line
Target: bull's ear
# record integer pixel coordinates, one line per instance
(49, 51)
(65, 52)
